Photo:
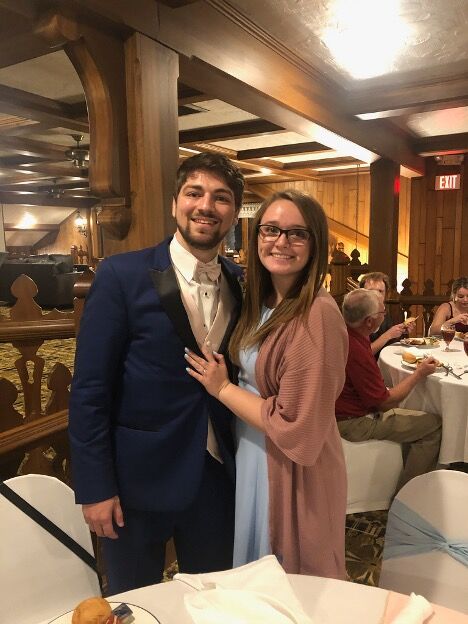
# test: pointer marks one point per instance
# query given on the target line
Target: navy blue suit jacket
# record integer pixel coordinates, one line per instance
(138, 421)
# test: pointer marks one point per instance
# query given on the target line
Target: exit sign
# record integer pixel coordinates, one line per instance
(447, 182)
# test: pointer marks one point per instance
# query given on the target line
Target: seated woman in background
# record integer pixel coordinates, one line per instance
(291, 344)
(454, 312)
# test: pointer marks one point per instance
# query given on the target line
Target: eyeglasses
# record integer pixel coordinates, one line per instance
(271, 233)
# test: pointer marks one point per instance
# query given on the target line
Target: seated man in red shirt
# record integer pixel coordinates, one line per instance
(366, 409)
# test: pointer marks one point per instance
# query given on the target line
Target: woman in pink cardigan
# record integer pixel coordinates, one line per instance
(291, 345)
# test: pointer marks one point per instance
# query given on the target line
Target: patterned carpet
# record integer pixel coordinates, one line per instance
(364, 531)
(365, 534)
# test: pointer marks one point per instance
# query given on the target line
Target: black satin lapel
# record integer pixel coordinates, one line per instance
(236, 290)
(167, 287)
(233, 282)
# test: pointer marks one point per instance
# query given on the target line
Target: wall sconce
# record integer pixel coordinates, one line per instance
(80, 224)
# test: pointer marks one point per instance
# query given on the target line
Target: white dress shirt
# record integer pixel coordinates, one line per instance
(204, 293)
(194, 283)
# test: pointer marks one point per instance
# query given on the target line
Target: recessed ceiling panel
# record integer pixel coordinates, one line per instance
(23, 238)
(14, 213)
(436, 123)
(52, 76)
(272, 139)
(216, 113)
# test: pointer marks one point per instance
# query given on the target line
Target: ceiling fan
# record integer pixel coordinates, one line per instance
(78, 154)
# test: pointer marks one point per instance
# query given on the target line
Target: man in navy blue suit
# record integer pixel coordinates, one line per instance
(152, 451)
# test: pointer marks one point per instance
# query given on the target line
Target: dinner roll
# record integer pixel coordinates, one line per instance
(409, 358)
(92, 611)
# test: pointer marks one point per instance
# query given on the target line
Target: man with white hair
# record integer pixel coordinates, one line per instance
(366, 409)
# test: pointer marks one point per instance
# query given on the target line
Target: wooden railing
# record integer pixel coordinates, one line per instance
(33, 431)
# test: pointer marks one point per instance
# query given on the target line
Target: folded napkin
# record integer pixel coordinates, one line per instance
(415, 611)
(257, 592)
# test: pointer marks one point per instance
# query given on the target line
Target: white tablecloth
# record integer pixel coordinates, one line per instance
(437, 394)
(326, 601)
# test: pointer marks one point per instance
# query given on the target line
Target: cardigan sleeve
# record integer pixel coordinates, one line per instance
(303, 375)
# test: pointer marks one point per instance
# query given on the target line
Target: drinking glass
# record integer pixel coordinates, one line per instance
(465, 344)
(448, 334)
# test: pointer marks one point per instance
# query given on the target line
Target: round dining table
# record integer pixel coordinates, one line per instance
(323, 600)
(440, 393)
(326, 601)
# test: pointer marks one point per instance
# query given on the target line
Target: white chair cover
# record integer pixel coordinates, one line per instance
(441, 499)
(373, 468)
(39, 577)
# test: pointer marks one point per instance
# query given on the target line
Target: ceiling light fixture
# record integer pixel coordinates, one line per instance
(80, 224)
(27, 221)
(78, 154)
(54, 192)
(365, 37)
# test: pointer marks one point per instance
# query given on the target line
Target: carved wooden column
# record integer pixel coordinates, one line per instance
(383, 228)
(152, 72)
(99, 59)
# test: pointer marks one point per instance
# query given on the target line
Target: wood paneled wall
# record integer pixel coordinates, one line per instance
(439, 230)
(338, 196)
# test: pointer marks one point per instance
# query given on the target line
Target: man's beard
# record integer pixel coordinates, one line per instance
(204, 245)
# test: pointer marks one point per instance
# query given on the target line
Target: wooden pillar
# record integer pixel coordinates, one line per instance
(152, 118)
(383, 227)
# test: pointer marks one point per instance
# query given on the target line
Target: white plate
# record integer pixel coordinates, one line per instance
(424, 345)
(408, 365)
(140, 615)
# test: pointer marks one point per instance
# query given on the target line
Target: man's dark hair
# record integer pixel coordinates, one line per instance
(376, 276)
(217, 164)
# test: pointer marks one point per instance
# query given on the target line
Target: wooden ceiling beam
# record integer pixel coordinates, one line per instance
(50, 169)
(38, 187)
(175, 4)
(44, 199)
(272, 171)
(228, 131)
(24, 8)
(12, 162)
(21, 103)
(31, 147)
(206, 147)
(258, 85)
(7, 178)
(377, 103)
(24, 129)
(21, 47)
(302, 117)
(283, 150)
(37, 227)
(218, 39)
(321, 163)
(444, 144)
(270, 179)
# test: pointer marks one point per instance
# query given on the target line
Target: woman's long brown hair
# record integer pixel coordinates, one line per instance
(259, 285)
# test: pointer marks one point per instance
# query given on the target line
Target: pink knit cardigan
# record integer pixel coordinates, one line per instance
(300, 371)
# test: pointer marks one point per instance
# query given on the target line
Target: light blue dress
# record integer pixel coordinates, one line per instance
(251, 534)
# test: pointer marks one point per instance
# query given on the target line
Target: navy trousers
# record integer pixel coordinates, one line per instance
(203, 536)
